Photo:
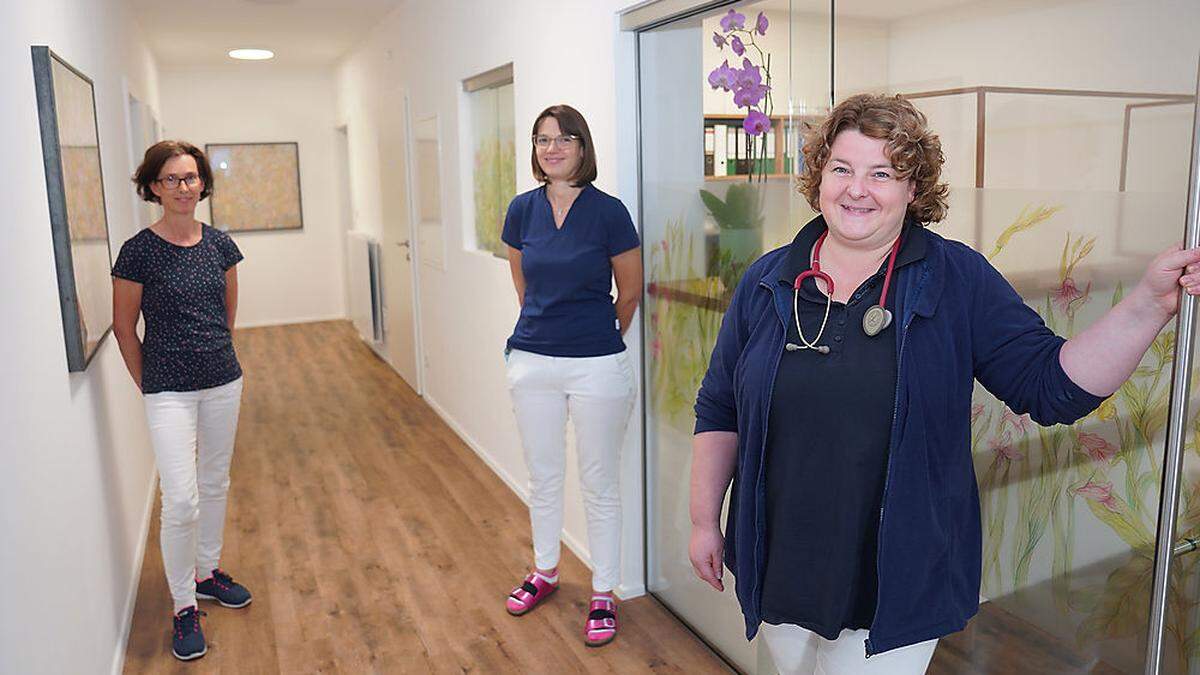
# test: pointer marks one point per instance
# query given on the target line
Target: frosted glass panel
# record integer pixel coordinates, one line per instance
(714, 198)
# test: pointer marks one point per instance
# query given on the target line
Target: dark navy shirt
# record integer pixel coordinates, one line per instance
(188, 345)
(827, 450)
(568, 306)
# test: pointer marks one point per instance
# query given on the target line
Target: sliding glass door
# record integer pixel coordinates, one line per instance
(1067, 128)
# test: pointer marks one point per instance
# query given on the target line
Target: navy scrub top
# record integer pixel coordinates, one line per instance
(568, 306)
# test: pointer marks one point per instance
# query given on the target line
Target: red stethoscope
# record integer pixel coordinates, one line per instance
(875, 319)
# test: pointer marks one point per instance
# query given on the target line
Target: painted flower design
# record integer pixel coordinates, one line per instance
(1096, 447)
(1003, 447)
(976, 411)
(1101, 493)
(1018, 422)
(1068, 294)
(733, 21)
(1107, 410)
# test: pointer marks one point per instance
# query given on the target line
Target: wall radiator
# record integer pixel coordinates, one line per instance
(366, 288)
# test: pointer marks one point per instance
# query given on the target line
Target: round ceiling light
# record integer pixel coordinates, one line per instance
(251, 54)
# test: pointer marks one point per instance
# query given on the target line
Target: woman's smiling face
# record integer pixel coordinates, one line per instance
(863, 201)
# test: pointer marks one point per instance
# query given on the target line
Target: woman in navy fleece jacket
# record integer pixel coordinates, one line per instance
(838, 403)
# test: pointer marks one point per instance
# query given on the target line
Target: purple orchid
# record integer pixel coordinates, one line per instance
(749, 76)
(737, 46)
(722, 77)
(733, 21)
(718, 40)
(751, 95)
(761, 24)
(756, 123)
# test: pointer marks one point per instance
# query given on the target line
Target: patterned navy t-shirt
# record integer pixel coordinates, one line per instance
(188, 345)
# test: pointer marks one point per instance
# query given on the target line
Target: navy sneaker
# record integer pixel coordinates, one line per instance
(222, 588)
(187, 641)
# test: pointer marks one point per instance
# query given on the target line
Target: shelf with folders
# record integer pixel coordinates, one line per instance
(728, 147)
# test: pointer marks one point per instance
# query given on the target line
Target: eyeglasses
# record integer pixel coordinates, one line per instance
(172, 181)
(563, 141)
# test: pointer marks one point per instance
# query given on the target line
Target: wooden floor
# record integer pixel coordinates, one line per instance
(374, 540)
(997, 642)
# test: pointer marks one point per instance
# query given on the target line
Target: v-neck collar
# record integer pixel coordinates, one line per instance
(550, 207)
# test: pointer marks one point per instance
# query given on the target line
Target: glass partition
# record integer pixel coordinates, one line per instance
(716, 193)
(1067, 129)
(1067, 132)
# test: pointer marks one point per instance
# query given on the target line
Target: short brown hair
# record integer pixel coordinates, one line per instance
(570, 121)
(159, 154)
(914, 150)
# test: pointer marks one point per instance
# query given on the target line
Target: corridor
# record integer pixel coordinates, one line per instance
(374, 540)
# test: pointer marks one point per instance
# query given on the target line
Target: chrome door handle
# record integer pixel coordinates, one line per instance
(1185, 545)
(1168, 503)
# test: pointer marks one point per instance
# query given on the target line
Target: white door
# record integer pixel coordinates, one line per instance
(396, 258)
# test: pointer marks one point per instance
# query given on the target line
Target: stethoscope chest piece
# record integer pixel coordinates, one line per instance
(875, 320)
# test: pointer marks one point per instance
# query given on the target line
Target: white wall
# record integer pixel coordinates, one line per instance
(290, 276)
(78, 471)
(469, 308)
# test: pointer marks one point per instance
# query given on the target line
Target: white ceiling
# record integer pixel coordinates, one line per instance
(300, 32)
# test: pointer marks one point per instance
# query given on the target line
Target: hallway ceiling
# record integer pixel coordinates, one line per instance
(300, 32)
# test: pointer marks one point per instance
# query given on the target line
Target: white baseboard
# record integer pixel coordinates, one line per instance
(572, 543)
(287, 322)
(135, 577)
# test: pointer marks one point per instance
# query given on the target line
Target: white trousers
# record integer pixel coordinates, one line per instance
(192, 433)
(597, 393)
(799, 651)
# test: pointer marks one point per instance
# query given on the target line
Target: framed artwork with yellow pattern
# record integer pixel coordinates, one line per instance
(256, 186)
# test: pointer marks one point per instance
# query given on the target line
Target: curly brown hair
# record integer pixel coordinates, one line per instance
(914, 150)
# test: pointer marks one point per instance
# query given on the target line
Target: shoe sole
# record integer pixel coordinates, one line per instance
(191, 657)
(202, 596)
(599, 644)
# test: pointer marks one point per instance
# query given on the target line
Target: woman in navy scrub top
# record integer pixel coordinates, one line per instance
(853, 527)
(567, 242)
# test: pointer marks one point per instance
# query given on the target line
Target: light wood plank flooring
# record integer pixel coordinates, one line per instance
(374, 540)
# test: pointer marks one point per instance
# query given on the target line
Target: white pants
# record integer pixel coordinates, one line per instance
(797, 650)
(192, 433)
(598, 394)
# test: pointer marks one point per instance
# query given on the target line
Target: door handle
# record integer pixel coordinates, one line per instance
(1186, 545)
(1168, 503)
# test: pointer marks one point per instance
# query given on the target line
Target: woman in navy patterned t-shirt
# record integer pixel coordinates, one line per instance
(181, 276)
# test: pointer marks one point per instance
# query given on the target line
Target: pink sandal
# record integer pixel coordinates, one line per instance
(532, 591)
(601, 626)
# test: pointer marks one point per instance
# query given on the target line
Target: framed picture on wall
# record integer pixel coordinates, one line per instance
(75, 191)
(256, 186)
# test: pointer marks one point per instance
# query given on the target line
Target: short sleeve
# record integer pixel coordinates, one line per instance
(622, 235)
(230, 253)
(513, 224)
(131, 261)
